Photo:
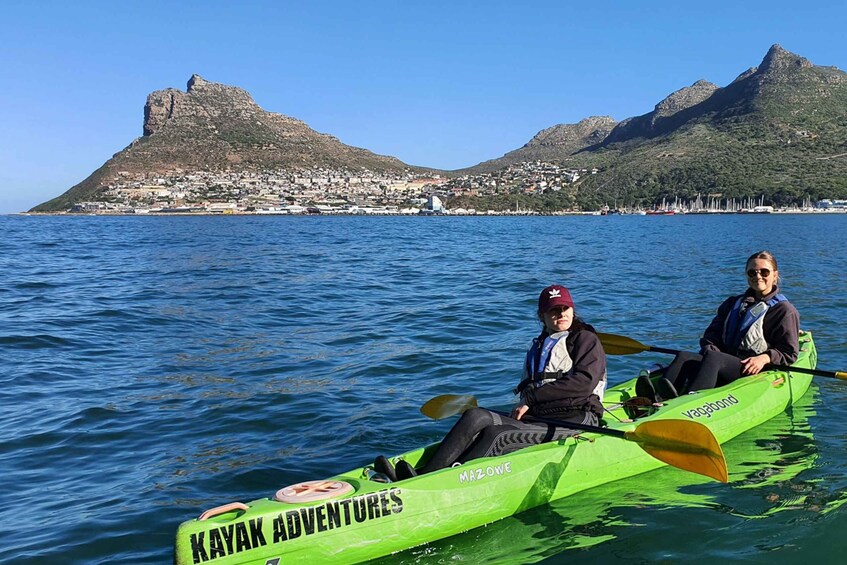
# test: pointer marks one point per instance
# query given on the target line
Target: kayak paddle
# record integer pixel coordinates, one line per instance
(622, 345)
(683, 444)
(447, 405)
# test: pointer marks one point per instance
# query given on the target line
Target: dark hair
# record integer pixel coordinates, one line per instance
(578, 324)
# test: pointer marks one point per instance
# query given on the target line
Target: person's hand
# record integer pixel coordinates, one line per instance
(754, 365)
(519, 410)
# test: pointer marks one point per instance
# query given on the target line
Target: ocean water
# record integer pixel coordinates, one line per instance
(154, 367)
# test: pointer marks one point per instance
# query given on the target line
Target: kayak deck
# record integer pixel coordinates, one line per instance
(377, 518)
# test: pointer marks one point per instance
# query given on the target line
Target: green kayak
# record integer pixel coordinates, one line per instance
(352, 517)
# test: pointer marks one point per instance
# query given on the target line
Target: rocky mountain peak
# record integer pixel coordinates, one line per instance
(684, 98)
(778, 59)
(666, 115)
(592, 123)
(203, 101)
(554, 143)
(214, 125)
(749, 72)
(585, 132)
(196, 81)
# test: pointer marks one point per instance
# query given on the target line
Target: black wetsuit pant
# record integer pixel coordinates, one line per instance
(689, 371)
(481, 433)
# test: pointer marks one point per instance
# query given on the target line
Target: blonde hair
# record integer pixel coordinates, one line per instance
(767, 256)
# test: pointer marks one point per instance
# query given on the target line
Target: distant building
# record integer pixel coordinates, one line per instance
(434, 204)
(831, 204)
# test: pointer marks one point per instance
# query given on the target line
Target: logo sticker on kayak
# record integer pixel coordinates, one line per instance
(710, 408)
(228, 539)
(471, 475)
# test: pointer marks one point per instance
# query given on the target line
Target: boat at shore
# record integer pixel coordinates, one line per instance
(356, 515)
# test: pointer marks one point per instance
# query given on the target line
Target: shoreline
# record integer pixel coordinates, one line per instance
(445, 214)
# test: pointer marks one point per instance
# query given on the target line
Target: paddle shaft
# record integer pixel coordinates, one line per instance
(570, 425)
(632, 346)
(662, 350)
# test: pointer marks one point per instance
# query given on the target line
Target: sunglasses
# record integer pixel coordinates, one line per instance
(764, 273)
(557, 311)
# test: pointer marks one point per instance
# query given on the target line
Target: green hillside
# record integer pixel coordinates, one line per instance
(778, 131)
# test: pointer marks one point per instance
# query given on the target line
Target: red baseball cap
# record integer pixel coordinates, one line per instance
(552, 296)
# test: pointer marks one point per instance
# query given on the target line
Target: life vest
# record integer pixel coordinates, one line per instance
(548, 361)
(743, 329)
(541, 357)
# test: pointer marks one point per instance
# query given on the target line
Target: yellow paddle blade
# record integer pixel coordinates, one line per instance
(687, 445)
(448, 405)
(621, 345)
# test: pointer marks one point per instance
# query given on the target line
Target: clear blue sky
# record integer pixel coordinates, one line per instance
(441, 84)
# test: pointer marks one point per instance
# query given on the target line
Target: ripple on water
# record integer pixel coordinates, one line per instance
(40, 341)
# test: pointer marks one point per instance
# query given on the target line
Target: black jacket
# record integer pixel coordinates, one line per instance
(573, 391)
(781, 328)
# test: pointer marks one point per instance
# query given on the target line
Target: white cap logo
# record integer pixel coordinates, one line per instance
(555, 293)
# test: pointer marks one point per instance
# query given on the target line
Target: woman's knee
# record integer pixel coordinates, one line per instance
(685, 356)
(720, 360)
(717, 368)
(683, 367)
(475, 419)
(712, 358)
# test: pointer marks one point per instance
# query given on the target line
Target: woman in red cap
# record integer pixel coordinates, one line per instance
(564, 380)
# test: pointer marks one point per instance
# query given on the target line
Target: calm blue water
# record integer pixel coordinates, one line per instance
(155, 367)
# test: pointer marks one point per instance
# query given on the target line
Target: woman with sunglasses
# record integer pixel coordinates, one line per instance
(750, 331)
(564, 380)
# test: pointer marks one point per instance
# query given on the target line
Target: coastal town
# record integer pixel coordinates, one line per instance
(364, 192)
(321, 191)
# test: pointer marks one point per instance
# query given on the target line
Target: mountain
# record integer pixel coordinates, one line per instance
(786, 91)
(664, 118)
(556, 143)
(778, 130)
(213, 127)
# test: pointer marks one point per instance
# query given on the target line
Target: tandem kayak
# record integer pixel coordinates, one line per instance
(354, 516)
